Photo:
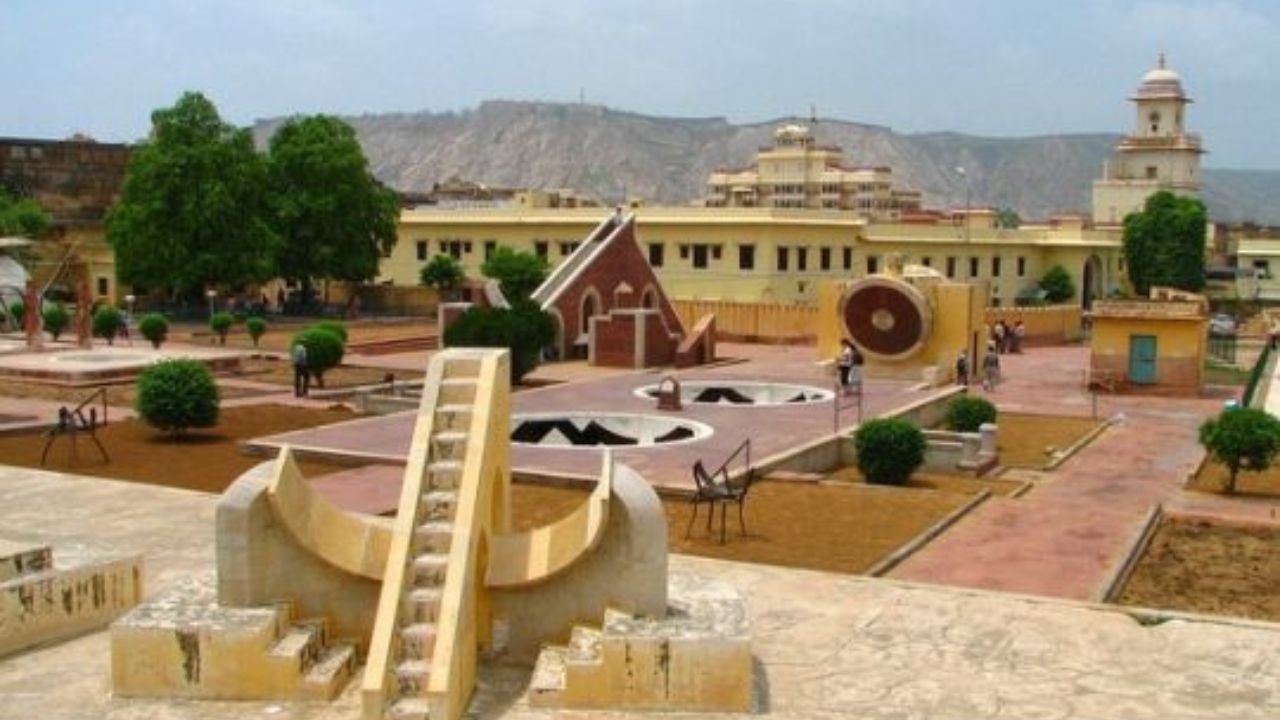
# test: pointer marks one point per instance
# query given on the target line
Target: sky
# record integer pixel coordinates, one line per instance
(984, 67)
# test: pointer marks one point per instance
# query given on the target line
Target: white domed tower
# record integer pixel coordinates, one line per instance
(1158, 155)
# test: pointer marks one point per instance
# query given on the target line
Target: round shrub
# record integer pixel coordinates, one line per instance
(175, 395)
(257, 327)
(220, 324)
(324, 350)
(889, 450)
(56, 319)
(18, 313)
(967, 414)
(524, 329)
(154, 328)
(334, 327)
(107, 322)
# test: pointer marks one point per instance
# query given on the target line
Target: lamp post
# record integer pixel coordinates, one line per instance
(961, 172)
(129, 300)
(213, 296)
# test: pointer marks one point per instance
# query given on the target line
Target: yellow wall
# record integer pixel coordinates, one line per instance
(1180, 347)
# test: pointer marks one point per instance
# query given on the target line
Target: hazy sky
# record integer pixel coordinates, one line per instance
(988, 67)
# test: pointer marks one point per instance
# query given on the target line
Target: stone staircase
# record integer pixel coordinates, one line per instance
(258, 653)
(697, 658)
(414, 635)
(48, 595)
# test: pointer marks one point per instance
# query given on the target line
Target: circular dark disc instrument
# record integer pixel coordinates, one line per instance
(886, 317)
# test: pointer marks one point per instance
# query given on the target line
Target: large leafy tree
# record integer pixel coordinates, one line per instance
(193, 209)
(1057, 285)
(23, 217)
(518, 273)
(1164, 243)
(335, 219)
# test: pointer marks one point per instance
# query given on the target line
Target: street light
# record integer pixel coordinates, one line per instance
(129, 300)
(213, 296)
(961, 172)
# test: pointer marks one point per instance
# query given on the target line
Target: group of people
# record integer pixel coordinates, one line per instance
(1006, 338)
(990, 368)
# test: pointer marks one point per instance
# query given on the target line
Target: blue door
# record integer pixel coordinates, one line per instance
(1142, 359)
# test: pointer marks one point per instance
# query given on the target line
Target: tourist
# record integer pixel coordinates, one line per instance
(990, 368)
(844, 364)
(999, 335)
(855, 371)
(301, 379)
(1019, 332)
(962, 369)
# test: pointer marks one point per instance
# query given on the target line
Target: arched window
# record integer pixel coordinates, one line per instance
(590, 307)
(649, 299)
(1154, 119)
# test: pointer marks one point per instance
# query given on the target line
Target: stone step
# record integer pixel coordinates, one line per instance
(449, 445)
(422, 605)
(326, 679)
(417, 641)
(456, 391)
(435, 536)
(460, 367)
(548, 681)
(408, 708)
(299, 648)
(429, 569)
(412, 677)
(444, 474)
(584, 644)
(454, 416)
(438, 505)
(23, 558)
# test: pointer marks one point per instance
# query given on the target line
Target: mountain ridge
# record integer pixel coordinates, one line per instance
(610, 152)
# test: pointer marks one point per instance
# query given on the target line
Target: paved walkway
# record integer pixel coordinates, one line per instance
(827, 646)
(1069, 534)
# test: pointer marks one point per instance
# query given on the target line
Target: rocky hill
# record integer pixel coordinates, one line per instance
(665, 160)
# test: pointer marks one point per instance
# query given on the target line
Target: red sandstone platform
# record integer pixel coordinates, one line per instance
(772, 429)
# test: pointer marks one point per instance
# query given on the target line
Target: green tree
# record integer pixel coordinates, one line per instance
(56, 319)
(524, 329)
(107, 323)
(220, 324)
(443, 273)
(1057, 285)
(20, 216)
(1008, 218)
(518, 273)
(1242, 439)
(177, 394)
(1164, 243)
(155, 328)
(336, 221)
(257, 327)
(889, 450)
(966, 413)
(324, 350)
(193, 212)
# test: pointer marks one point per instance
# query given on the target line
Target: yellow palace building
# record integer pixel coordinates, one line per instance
(798, 217)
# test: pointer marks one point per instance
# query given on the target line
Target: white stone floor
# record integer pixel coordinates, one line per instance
(827, 646)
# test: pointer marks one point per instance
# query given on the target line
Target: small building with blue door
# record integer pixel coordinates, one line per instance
(1153, 345)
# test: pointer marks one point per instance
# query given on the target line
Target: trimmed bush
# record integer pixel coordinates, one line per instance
(257, 327)
(334, 327)
(967, 414)
(524, 330)
(154, 328)
(107, 323)
(324, 350)
(889, 450)
(18, 313)
(442, 273)
(56, 319)
(1242, 439)
(175, 395)
(220, 324)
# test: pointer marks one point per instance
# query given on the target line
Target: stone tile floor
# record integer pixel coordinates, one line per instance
(827, 646)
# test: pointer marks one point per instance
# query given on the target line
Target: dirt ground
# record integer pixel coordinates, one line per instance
(1211, 569)
(1023, 439)
(1212, 478)
(280, 372)
(207, 460)
(121, 395)
(840, 527)
(963, 484)
(278, 334)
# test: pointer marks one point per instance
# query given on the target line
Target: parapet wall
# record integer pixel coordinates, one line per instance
(1048, 325)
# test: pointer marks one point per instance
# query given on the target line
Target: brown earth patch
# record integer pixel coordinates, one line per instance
(121, 395)
(964, 484)
(1198, 567)
(1212, 478)
(207, 460)
(840, 527)
(1022, 439)
(280, 372)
